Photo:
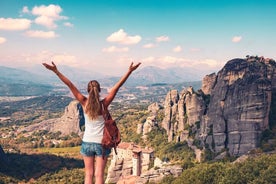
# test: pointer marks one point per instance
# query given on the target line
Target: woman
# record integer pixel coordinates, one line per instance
(91, 148)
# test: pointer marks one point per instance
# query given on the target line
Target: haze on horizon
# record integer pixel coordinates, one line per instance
(106, 36)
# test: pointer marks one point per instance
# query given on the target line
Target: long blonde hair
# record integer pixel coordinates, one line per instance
(93, 105)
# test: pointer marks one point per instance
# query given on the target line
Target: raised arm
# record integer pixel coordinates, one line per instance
(111, 95)
(81, 98)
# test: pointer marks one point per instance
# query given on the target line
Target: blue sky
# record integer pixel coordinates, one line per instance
(105, 36)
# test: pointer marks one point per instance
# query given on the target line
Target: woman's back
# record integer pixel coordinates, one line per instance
(93, 129)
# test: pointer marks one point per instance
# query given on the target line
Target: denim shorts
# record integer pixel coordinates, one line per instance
(90, 149)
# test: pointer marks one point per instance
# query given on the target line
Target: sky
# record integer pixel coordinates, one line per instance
(107, 35)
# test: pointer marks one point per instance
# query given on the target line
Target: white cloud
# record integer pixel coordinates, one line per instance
(48, 56)
(25, 9)
(65, 59)
(115, 49)
(2, 40)
(166, 61)
(68, 24)
(162, 39)
(14, 24)
(46, 21)
(149, 45)
(171, 61)
(41, 34)
(47, 15)
(177, 49)
(149, 60)
(209, 62)
(49, 11)
(122, 38)
(236, 39)
(29, 58)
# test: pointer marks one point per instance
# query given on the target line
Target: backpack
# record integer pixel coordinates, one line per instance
(111, 133)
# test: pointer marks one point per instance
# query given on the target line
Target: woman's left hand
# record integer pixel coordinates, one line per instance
(52, 67)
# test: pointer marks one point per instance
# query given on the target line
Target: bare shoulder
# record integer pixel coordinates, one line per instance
(105, 102)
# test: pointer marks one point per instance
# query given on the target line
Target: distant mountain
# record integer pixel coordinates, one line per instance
(143, 76)
(17, 82)
(152, 74)
(76, 75)
(14, 75)
(37, 80)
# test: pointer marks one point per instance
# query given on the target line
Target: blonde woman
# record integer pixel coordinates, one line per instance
(91, 148)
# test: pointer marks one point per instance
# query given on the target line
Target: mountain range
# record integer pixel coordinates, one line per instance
(38, 81)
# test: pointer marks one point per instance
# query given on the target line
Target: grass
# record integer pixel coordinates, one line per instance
(64, 152)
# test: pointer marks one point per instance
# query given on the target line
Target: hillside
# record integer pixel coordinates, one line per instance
(16, 82)
(32, 110)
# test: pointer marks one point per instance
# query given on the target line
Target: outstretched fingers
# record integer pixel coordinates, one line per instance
(133, 67)
(50, 67)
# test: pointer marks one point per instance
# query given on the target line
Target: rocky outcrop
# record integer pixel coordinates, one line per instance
(156, 175)
(182, 111)
(208, 83)
(230, 111)
(170, 110)
(147, 126)
(71, 121)
(239, 106)
(154, 108)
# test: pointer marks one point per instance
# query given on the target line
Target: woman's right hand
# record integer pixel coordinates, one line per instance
(133, 67)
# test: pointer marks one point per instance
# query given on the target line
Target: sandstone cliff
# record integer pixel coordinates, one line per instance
(231, 110)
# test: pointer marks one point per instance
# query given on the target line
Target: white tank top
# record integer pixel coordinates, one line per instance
(93, 129)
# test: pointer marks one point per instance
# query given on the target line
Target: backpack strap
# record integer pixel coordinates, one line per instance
(106, 116)
(105, 112)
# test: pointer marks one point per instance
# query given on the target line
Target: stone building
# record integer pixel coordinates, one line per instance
(131, 160)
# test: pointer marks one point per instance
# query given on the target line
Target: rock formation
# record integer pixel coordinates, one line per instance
(154, 108)
(71, 121)
(230, 111)
(182, 111)
(147, 126)
(156, 175)
(239, 105)
(208, 83)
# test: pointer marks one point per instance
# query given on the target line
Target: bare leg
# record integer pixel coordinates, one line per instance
(89, 169)
(99, 172)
